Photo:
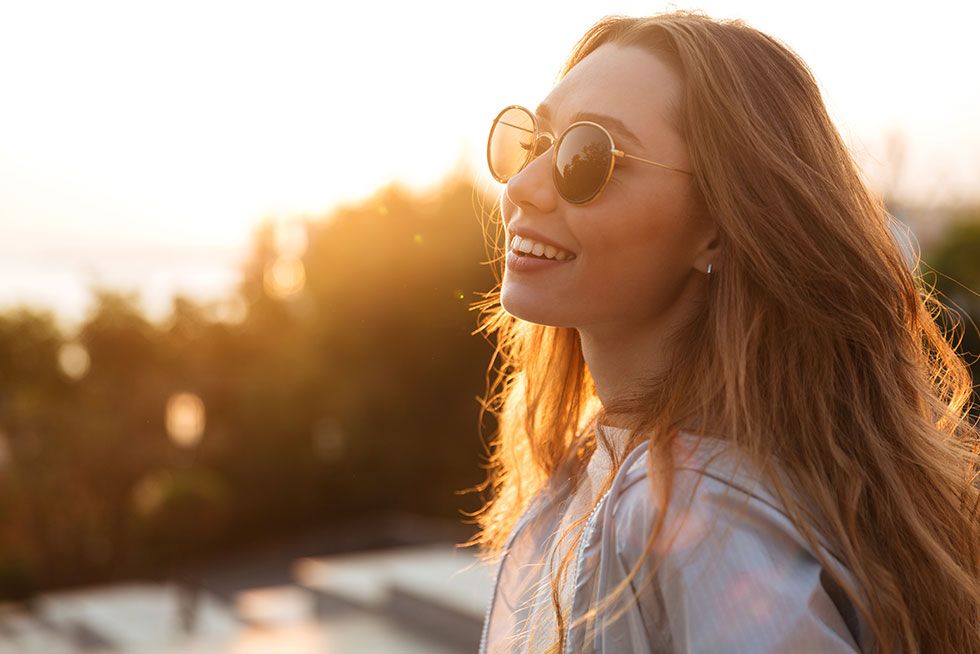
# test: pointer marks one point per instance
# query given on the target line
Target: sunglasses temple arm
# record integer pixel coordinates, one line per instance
(620, 153)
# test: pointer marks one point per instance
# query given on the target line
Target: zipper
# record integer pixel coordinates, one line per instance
(621, 474)
(586, 534)
(532, 508)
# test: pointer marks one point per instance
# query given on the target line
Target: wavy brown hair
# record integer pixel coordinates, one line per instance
(817, 350)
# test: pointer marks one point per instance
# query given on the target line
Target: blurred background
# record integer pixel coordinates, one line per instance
(238, 244)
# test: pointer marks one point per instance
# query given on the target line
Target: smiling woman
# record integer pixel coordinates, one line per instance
(727, 419)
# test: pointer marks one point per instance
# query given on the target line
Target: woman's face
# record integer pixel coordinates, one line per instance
(640, 246)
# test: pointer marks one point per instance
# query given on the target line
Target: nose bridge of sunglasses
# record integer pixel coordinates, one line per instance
(543, 141)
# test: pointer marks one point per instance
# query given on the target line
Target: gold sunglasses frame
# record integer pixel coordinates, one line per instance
(555, 144)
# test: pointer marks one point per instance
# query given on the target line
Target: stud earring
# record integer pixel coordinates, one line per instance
(709, 268)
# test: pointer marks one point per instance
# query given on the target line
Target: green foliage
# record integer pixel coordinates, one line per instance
(326, 402)
(16, 578)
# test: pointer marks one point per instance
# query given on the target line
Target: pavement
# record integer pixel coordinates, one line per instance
(413, 591)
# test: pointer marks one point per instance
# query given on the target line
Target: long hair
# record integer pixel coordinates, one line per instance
(817, 349)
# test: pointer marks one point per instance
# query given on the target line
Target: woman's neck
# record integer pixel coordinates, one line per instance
(622, 353)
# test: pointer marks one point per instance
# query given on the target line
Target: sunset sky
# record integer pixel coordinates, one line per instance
(141, 142)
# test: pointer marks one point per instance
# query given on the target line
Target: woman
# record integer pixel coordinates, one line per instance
(727, 419)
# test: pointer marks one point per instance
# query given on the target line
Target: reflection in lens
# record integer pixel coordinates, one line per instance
(510, 143)
(583, 161)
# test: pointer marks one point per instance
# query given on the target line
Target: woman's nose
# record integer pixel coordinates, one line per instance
(532, 188)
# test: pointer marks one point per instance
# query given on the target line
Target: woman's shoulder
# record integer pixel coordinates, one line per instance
(713, 486)
(710, 481)
(729, 551)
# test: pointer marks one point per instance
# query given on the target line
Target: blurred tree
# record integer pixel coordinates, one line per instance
(349, 385)
(955, 258)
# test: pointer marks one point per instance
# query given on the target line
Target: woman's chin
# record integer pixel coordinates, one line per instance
(529, 307)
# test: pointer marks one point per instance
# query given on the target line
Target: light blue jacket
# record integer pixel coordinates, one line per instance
(751, 586)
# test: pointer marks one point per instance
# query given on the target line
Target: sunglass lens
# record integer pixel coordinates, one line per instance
(582, 165)
(510, 144)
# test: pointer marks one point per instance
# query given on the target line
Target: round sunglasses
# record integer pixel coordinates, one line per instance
(582, 161)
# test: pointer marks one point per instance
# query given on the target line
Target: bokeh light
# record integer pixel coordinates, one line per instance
(73, 360)
(150, 492)
(232, 310)
(329, 440)
(185, 419)
(5, 456)
(274, 606)
(284, 277)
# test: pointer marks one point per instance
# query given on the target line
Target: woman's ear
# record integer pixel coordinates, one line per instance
(707, 243)
(709, 249)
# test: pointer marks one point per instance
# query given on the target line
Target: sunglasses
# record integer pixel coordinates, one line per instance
(582, 161)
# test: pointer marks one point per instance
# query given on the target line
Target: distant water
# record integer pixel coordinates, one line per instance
(64, 285)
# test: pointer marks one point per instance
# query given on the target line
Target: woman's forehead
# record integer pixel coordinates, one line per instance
(625, 84)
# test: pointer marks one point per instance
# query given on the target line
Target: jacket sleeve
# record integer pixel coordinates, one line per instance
(733, 575)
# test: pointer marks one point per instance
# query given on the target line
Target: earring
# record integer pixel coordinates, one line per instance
(709, 268)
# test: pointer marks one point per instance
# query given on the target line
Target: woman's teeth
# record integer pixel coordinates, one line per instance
(527, 247)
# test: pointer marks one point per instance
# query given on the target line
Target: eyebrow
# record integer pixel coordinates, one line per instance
(609, 122)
